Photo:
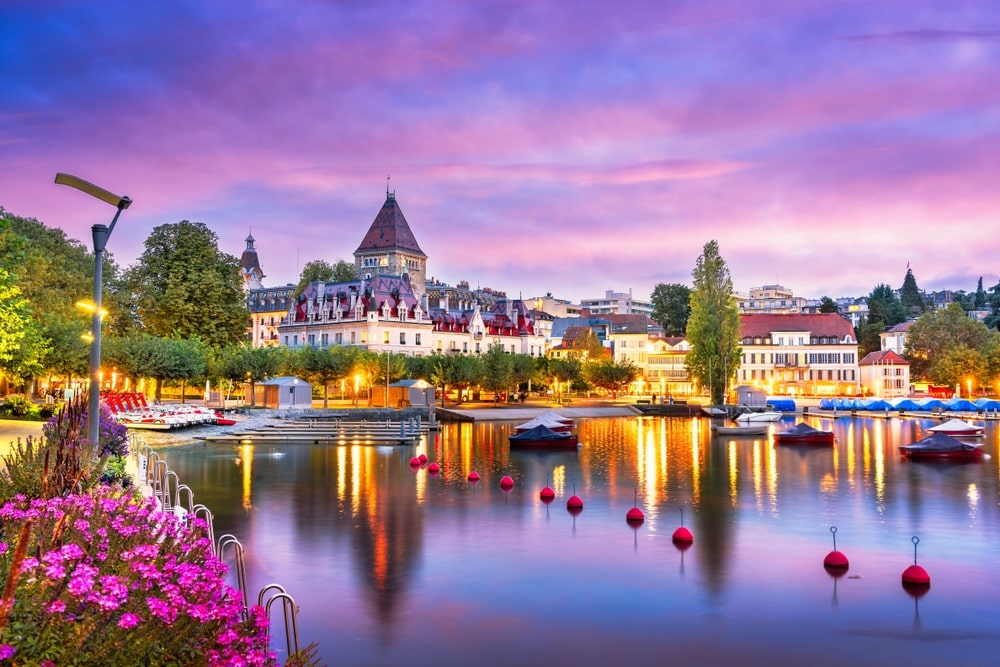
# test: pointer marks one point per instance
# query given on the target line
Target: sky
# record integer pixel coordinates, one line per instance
(563, 147)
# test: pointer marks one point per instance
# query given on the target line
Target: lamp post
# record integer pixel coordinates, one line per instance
(387, 378)
(101, 234)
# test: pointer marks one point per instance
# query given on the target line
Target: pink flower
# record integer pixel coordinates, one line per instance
(128, 621)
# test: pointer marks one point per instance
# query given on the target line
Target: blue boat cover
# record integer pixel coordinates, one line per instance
(782, 404)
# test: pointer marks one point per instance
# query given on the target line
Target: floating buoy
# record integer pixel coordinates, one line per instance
(682, 535)
(635, 514)
(916, 577)
(414, 462)
(547, 494)
(473, 476)
(422, 458)
(575, 503)
(836, 560)
(506, 482)
(433, 468)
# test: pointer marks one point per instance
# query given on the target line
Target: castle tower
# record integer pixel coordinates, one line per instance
(389, 248)
(250, 267)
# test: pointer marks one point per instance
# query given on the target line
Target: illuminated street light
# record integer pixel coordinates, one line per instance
(101, 234)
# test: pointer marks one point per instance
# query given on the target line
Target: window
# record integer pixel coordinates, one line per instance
(416, 339)
(353, 333)
(385, 338)
(465, 346)
(402, 338)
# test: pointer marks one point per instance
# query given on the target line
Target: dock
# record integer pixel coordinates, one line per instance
(332, 432)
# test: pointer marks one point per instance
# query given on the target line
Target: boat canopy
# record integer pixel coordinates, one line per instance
(929, 403)
(781, 404)
(538, 433)
(939, 442)
(987, 404)
(960, 405)
(907, 404)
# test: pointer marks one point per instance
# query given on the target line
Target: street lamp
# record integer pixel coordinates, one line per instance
(101, 234)
(387, 378)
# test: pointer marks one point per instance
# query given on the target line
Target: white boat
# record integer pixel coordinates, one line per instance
(741, 429)
(958, 428)
(750, 416)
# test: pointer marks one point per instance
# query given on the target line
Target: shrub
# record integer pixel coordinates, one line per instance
(18, 407)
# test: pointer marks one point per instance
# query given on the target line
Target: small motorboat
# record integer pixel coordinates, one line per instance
(942, 447)
(222, 420)
(543, 437)
(803, 434)
(757, 416)
(552, 420)
(741, 429)
(958, 428)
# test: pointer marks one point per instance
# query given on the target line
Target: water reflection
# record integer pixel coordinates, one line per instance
(392, 565)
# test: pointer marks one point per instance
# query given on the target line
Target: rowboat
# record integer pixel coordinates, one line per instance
(803, 434)
(942, 447)
(958, 428)
(741, 429)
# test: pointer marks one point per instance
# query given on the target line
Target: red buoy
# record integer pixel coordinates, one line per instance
(574, 503)
(473, 476)
(433, 468)
(635, 514)
(683, 536)
(915, 576)
(506, 482)
(835, 560)
(414, 462)
(547, 494)
(422, 458)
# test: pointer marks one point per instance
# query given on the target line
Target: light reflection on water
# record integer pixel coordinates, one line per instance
(393, 566)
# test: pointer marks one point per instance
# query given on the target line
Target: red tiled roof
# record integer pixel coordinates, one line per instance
(883, 358)
(819, 324)
(390, 230)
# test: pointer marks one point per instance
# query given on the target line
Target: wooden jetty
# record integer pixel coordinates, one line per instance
(337, 432)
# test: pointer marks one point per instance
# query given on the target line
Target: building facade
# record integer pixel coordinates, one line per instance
(620, 303)
(799, 354)
(770, 299)
(884, 374)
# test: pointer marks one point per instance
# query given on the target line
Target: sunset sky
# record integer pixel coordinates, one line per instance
(569, 147)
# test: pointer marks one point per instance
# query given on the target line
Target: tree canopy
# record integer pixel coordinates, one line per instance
(713, 328)
(884, 310)
(183, 286)
(939, 332)
(671, 307)
(910, 297)
(322, 271)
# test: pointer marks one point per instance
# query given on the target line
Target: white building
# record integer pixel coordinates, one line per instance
(620, 303)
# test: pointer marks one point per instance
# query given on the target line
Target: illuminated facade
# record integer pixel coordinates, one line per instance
(799, 354)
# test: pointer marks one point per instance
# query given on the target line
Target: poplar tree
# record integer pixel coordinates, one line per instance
(713, 328)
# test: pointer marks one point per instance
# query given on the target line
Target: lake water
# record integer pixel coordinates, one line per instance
(392, 566)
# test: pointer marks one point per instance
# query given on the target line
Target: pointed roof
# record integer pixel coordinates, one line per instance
(248, 260)
(883, 358)
(390, 231)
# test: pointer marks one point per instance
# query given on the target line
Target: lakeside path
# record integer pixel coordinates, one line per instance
(527, 412)
(13, 429)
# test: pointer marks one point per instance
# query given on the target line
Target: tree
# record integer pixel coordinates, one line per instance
(671, 307)
(713, 328)
(959, 364)
(828, 305)
(162, 359)
(566, 371)
(243, 363)
(183, 286)
(53, 273)
(910, 296)
(321, 271)
(497, 369)
(21, 343)
(611, 375)
(522, 370)
(884, 310)
(939, 331)
(589, 347)
(993, 303)
(980, 300)
(323, 365)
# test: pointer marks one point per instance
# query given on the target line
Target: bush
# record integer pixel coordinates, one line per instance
(18, 407)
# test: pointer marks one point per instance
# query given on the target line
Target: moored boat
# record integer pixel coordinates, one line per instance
(942, 447)
(803, 434)
(551, 420)
(958, 428)
(757, 416)
(741, 429)
(543, 437)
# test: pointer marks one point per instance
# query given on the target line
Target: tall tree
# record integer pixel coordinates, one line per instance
(498, 367)
(713, 328)
(21, 343)
(323, 365)
(671, 307)
(993, 303)
(910, 296)
(884, 310)
(980, 301)
(320, 270)
(828, 305)
(184, 286)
